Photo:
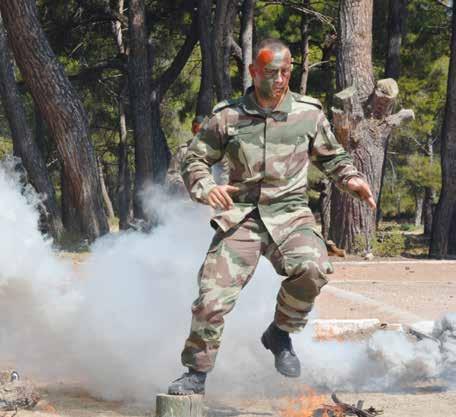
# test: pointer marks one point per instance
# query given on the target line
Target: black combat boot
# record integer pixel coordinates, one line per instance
(279, 343)
(191, 382)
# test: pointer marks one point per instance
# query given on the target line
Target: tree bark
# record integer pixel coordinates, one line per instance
(428, 210)
(419, 199)
(162, 154)
(104, 191)
(429, 194)
(396, 28)
(325, 208)
(23, 144)
(362, 121)
(151, 149)
(442, 244)
(305, 36)
(63, 111)
(40, 134)
(225, 13)
(354, 54)
(140, 86)
(247, 41)
(124, 174)
(206, 91)
(124, 181)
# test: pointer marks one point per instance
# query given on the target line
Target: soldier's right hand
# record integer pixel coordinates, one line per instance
(219, 196)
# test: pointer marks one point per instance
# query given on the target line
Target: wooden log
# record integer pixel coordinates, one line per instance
(384, 97)
(180, 406)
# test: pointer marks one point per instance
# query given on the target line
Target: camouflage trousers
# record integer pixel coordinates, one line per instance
(230, 263)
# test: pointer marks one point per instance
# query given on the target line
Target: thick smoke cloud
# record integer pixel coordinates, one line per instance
(118, 321)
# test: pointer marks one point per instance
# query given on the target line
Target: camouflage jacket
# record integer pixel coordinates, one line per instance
(174, 180)
(268, 155)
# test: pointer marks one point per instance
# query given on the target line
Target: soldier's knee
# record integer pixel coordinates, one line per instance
(307, 276)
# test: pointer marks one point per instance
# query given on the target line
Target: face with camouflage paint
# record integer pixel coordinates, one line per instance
(271, 73)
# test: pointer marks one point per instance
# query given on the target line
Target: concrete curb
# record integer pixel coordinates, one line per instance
(359, 329)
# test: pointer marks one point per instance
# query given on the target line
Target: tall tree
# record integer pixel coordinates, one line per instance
(24, 146)
(63, 112)
(247, 22)
(206, 91)
(397, 13)
(362, 119)
(305, 37)
(124, 174)
(140, 85)
(225, 14)
(151, 149)
(443, 241)
(396, 27)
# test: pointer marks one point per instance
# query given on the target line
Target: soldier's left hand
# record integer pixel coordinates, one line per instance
(362, 188)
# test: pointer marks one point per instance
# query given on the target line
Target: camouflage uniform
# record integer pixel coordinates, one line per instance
(268, 155)
(174, 180)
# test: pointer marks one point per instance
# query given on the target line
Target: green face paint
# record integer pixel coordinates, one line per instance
(273, 73)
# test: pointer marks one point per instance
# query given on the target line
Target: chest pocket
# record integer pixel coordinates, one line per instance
(300, 155)
(245, 150)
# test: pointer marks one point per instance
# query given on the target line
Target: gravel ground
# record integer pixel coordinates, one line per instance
(395, 291)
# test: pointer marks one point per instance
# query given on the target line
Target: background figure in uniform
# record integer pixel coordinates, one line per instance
(269, 136)
(174, 182)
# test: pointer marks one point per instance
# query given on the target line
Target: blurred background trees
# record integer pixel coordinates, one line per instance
(142, 69)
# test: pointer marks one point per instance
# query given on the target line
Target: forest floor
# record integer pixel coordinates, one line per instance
(396, 290)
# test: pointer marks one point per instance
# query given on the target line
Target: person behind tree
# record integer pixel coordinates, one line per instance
(269, 136)
(174, 182)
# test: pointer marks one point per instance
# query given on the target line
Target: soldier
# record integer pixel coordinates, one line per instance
(269, 136)
(174, 180)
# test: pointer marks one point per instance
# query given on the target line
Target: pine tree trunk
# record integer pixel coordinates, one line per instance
(305, 36)
(419, 208)
(124, 187)
(442, 242)
(325, 208)
(397, 16)
(72, 227)
(247, 41)
(428, 210)
(63, 111)
(140, 85)
(206, 91)
(104, 191)
(124, 174)
(23, 144)
(40, 134)
(223, 29)
(362, 120)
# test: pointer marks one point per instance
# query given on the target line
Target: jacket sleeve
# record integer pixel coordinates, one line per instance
(329, 156)
(205, 150)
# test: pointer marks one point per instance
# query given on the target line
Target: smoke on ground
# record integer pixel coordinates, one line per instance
(118, 321)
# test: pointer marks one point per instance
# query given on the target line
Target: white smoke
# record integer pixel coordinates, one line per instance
(119, 320)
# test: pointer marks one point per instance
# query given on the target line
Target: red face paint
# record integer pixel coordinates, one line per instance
(265, 57)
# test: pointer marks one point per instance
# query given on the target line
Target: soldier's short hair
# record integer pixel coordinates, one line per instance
(270, 43)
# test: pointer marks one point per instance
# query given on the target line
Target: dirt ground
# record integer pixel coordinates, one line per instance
(401, 291)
